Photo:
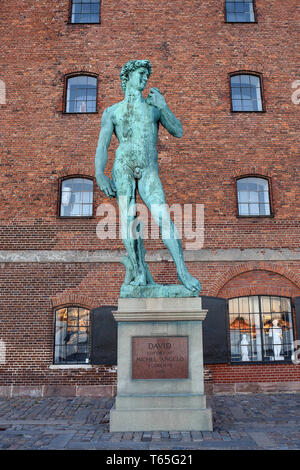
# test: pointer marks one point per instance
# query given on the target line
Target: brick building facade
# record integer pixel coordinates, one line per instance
(50, 262)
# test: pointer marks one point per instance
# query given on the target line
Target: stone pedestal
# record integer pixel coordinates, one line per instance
(160, 366)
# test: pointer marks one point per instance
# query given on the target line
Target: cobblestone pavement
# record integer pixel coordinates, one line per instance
(258, 421)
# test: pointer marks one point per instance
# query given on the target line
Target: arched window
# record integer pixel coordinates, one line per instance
(246, 94)
(72, 335)
(261, 329)
(253, 197)
(85, 11)
(240, 11)
(76, 197)
(81, 94)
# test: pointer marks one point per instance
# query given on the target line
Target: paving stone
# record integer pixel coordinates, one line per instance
(175, 436)
(156, 436)
(186, 436)
(197, 436)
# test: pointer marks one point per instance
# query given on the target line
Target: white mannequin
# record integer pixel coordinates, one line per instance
(244, 348)
(276, 333)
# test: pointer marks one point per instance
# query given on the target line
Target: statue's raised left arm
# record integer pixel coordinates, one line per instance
(167, 118)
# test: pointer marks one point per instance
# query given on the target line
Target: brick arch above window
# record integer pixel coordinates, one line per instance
(65, 299)
(76, 170)
(235, 271)
(256, 171)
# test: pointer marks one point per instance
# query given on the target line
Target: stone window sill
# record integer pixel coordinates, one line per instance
(70, 366)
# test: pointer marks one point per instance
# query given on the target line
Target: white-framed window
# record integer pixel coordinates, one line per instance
(246, 93)
(76, 197)
(81, 95)
(253, 195)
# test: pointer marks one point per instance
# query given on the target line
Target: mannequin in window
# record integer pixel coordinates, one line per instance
(275, 333)
(244, 348)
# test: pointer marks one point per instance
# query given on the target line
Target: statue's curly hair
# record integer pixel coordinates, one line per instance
(131, 66)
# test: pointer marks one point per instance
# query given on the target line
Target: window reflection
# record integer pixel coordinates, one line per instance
(76, 197)
(81, 94)
(260, 328)
(253, 196)
(71, 335)
(85, 11)
(240, 11)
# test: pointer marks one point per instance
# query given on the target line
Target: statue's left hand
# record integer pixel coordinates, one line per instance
(155, 98)
(106, 185)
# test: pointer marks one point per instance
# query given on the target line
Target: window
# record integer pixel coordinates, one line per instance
(72, 331)
(260, 329)
(253, 197)
(85, 11)
(81, 96)
(76, 197)
(240, 11)
(246, 93)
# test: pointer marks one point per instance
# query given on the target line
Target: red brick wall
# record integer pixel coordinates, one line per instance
(192, 51)
(30, 292)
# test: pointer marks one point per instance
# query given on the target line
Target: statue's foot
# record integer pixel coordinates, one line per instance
(189, 281)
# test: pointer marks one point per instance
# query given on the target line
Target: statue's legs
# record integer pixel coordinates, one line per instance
(126, 187)
(151, 192)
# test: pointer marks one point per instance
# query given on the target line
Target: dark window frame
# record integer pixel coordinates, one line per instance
(65, 91)
(241, 22)
(251, 363)
(69, 22)
(256, 175)
(251, 73)
(74, 217)
(67, 305)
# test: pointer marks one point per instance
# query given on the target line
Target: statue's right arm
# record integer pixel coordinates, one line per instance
(106, 131)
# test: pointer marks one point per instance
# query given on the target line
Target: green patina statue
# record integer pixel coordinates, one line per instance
(135, 123)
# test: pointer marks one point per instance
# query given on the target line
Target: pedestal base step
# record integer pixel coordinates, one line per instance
(161, 420)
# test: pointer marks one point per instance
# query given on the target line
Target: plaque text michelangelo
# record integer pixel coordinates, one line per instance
(160, 357)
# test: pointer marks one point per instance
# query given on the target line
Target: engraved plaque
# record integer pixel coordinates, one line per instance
(160, 357)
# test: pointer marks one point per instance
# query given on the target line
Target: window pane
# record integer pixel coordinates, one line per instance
(254, 209)
(87, 210)
(243, 305)
(243, 209)
(235, 80)
(253, 196)
(237, 105)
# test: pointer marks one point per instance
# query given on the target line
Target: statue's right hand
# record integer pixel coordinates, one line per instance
(106, 185)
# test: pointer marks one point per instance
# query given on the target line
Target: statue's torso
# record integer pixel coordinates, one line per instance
(136, 128)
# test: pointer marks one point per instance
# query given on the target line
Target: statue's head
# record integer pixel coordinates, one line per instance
(133, 66)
